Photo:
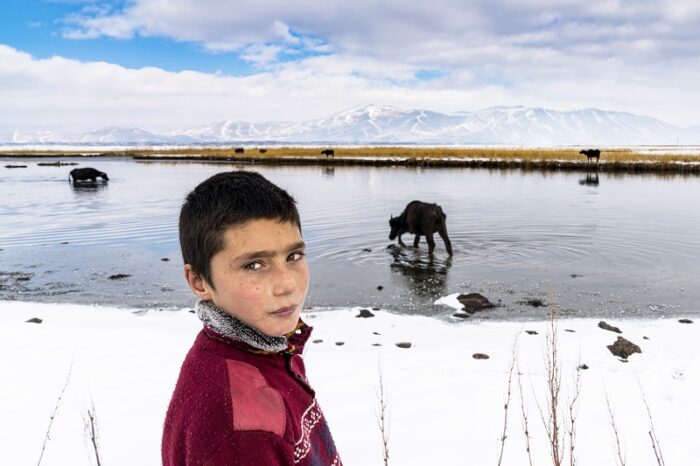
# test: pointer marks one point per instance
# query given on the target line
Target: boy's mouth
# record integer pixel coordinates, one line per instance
(285, 311)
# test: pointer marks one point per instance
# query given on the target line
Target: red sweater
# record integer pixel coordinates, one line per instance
(235, 405)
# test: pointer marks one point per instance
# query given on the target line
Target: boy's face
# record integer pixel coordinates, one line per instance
(261, 275)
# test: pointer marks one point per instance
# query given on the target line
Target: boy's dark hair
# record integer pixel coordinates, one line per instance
(223, 200)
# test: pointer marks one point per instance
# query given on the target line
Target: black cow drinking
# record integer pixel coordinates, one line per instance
(420, 218)
(328, 153)
(86, 174)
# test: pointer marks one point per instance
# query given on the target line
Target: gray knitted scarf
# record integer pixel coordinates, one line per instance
(230, 327)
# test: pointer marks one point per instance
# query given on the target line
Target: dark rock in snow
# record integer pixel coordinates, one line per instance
(534, 302)
(380, 287)
(624, 348)
(164, 259)
(583, 367)
(119, 276)
(461, 315)
(339, 343)
(685, 321)
(404, 344)
(34, 320)
(474, 302)
(480, 356)
(318, 340)
(606, 326)
(365, 313)
(531, 332)
(569, 330)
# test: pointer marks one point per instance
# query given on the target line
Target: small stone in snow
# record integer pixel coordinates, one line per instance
(339, 343)
(318, 341)
(605, 326)
(531, 332)
(480, 356)
(34, 320)
(365, 313)
(403, 344)
(685, 321)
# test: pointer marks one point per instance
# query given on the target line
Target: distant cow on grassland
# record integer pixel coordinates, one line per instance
(591, 154)
(328, 153)
(86, 174)
(239, 150)
(421, 218)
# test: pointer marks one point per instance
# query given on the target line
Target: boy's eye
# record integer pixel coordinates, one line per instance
(296, 256)
(253, 266)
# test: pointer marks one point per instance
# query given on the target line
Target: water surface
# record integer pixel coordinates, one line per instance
(607, 245)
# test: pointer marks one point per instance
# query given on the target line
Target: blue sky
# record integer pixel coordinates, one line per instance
(165, 65)
(38, 27)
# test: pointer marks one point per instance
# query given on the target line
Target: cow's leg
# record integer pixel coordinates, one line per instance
(401, 242)
(431, 243)
(415, 240)
(448, 244)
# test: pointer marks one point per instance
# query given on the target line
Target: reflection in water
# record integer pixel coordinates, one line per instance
(424, 275)
(328, 171)
(80, 187)
(591, 179)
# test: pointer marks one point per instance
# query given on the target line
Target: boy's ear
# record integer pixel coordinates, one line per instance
(198, 284)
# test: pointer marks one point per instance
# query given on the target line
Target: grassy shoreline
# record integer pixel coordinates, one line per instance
(615, 160)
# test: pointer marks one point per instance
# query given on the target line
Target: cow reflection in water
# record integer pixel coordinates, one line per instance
(591, 179)
(424, 275)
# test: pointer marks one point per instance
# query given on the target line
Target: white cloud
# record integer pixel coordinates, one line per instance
(68, 95)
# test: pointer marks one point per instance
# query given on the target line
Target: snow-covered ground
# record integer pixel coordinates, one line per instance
(444, 406)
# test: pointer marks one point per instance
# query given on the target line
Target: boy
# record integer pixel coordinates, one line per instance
(242, 397)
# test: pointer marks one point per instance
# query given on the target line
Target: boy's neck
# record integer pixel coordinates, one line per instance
(228, 326)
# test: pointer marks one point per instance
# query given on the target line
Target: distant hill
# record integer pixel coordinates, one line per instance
(373, 124)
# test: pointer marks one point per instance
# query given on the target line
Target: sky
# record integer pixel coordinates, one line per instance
(163, 65)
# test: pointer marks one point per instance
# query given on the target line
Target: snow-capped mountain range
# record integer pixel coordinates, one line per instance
(374, 124)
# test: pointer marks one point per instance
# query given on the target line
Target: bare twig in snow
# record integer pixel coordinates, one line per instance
(552, 422)
(621, 456)
(90, 422)
(523, 410)
(507, 402)
(652, 432)
(572, 415)
(53, 414)
(383, 416)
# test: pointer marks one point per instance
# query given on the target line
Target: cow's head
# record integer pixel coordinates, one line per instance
(395, 224)
(104, 176)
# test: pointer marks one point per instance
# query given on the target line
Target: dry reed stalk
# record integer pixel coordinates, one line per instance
(53, 414)
(572, 415)
(383, 416)
(523, 410)
(91, 431)
(507, 402)
(621, 456)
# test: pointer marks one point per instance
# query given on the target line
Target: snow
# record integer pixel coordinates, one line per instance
(445, 407)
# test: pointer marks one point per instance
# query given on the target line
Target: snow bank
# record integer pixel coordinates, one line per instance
(445, 407)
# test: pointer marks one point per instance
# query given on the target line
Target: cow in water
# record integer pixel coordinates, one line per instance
(328, 153)
(591, 154)
(421, 218)
(86, 174)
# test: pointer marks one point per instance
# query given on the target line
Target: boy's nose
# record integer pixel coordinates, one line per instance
(284, 282)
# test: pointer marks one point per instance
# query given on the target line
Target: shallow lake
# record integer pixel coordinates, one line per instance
(607, 245)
